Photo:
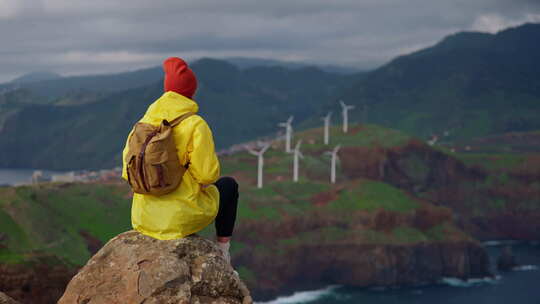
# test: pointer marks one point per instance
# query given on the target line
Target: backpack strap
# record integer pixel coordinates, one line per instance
(179, 119)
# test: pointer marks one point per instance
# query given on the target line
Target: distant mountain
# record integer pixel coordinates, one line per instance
(54, 88)
(247, 62)
(469, 84)
(36, 76)
(238, 104)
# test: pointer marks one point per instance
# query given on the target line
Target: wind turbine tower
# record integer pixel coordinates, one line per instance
(297, 156)
(288, 133)
(345, 110)
(260, 165)
(327, 127)
(334, 155)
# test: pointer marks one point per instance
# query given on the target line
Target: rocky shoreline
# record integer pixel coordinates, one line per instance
(365, 265)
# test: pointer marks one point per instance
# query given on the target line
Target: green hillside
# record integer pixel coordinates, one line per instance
(78, 133)
(392, 190)
(68, 220)
(469, 84)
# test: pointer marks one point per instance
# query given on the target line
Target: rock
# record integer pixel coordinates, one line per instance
(506, 260)
(41, 279)
(4, 299)
(134, 268)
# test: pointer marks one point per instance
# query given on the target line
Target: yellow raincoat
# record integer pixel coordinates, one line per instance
(190, 207)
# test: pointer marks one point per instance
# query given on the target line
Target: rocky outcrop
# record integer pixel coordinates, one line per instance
(414, 166)
(40, 280)
(507, 260)
(488, 203)
(4, 299)
(364, 265)
(134, 268)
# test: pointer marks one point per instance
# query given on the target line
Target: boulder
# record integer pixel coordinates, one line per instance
(4, 299)
(134, 268)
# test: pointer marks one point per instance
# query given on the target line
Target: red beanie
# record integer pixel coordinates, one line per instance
(179, 77)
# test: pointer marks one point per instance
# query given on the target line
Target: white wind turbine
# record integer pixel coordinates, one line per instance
(334, 155)
(345, 110)
(288, 133)
(326, 127)
(260, 166)
(297, 156)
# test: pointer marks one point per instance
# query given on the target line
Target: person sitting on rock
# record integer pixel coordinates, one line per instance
(202, 196)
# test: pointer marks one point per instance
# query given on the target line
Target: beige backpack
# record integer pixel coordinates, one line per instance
(152, 162)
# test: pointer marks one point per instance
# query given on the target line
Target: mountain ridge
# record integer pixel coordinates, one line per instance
(461, 87)
(468, 85)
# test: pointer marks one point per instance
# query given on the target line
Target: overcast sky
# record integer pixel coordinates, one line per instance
(101, 36)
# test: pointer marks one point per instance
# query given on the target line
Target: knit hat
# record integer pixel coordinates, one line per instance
(179, 77)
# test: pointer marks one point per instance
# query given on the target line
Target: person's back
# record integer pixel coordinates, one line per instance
(195, 203)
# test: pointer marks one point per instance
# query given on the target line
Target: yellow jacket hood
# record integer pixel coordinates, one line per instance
(169, 106)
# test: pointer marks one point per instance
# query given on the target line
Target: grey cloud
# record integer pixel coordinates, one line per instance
(79, 37)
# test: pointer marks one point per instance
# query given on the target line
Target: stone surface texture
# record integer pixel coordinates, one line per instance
(4, 299)
(134, 268)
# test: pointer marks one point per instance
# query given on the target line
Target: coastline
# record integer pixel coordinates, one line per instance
(424, 294)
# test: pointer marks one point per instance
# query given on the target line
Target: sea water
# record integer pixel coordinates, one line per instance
(15, 177)
(520, 286)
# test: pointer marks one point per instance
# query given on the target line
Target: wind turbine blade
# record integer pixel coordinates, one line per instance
(351, 107)
(265, 148)
(300, 154)
(342, 103)
(251, 151)
(282, 124)
(336, 149)
(329, 153)
(298, 145)
(290, 119)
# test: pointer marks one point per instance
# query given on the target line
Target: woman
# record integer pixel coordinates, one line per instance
(201, 197)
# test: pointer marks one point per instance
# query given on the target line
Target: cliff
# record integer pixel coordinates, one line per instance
(494, 195)
(133, 268)
(364, 265)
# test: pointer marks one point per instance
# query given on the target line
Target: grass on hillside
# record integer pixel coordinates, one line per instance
(493, 161)
(50, 219)
(371, 195)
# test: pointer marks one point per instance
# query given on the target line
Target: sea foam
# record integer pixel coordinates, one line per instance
(501, 242)
(456, 282)
(303, 296)
(525, 267)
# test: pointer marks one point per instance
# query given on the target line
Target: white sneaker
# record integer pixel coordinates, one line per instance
(226, 255)
(225, 251)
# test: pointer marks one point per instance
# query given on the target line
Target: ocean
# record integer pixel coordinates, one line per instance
(15, 177)
(520, 286)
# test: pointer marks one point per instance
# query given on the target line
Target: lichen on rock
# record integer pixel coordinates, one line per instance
(134, 268)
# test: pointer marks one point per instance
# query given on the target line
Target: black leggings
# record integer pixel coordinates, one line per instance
(228, 203)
